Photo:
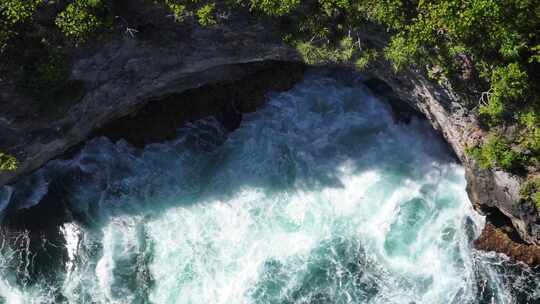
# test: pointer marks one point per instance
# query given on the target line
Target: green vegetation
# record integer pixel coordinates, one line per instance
(496, 152)
(530, 137)
(488, 50)
(81, 18)
(17, 11)
(274, 7)
(326, 54)
(13, 13)
(205, 15)
(178, 10)
(366, 58)
(530, 193)
(203, 11)
(509, 85)
(7, 162)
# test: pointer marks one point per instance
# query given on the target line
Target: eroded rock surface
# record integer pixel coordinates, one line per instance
(493, 239)
(125, 73)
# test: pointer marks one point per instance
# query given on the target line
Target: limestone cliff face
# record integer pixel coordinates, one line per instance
(127, 74)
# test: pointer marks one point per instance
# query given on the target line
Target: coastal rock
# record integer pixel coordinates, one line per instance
(125, 73)
(495, 239)
(447, 112)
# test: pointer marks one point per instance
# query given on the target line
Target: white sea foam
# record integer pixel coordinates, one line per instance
(319, 197)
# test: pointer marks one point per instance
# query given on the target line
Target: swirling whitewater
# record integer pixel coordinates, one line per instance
(318, 197)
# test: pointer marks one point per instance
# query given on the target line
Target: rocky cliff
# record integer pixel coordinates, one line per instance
(124, 74)
(512, 228)
(129, 73)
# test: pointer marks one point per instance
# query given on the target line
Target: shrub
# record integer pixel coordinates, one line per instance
(493, 111)
(325, 53)
(530, 137)
(530, 193)
(509, 84)
(80, 19)
(496, 152)
(13, 13)
(17, 11)
(400, 52)
(204, 11)
(366, 58)
(205, 15)
(275, 7)
(535, 54)
(7, 162)
(388, 13)
(178, 10)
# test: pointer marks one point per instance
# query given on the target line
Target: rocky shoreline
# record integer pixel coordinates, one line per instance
(129, 84)
(490, 191)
